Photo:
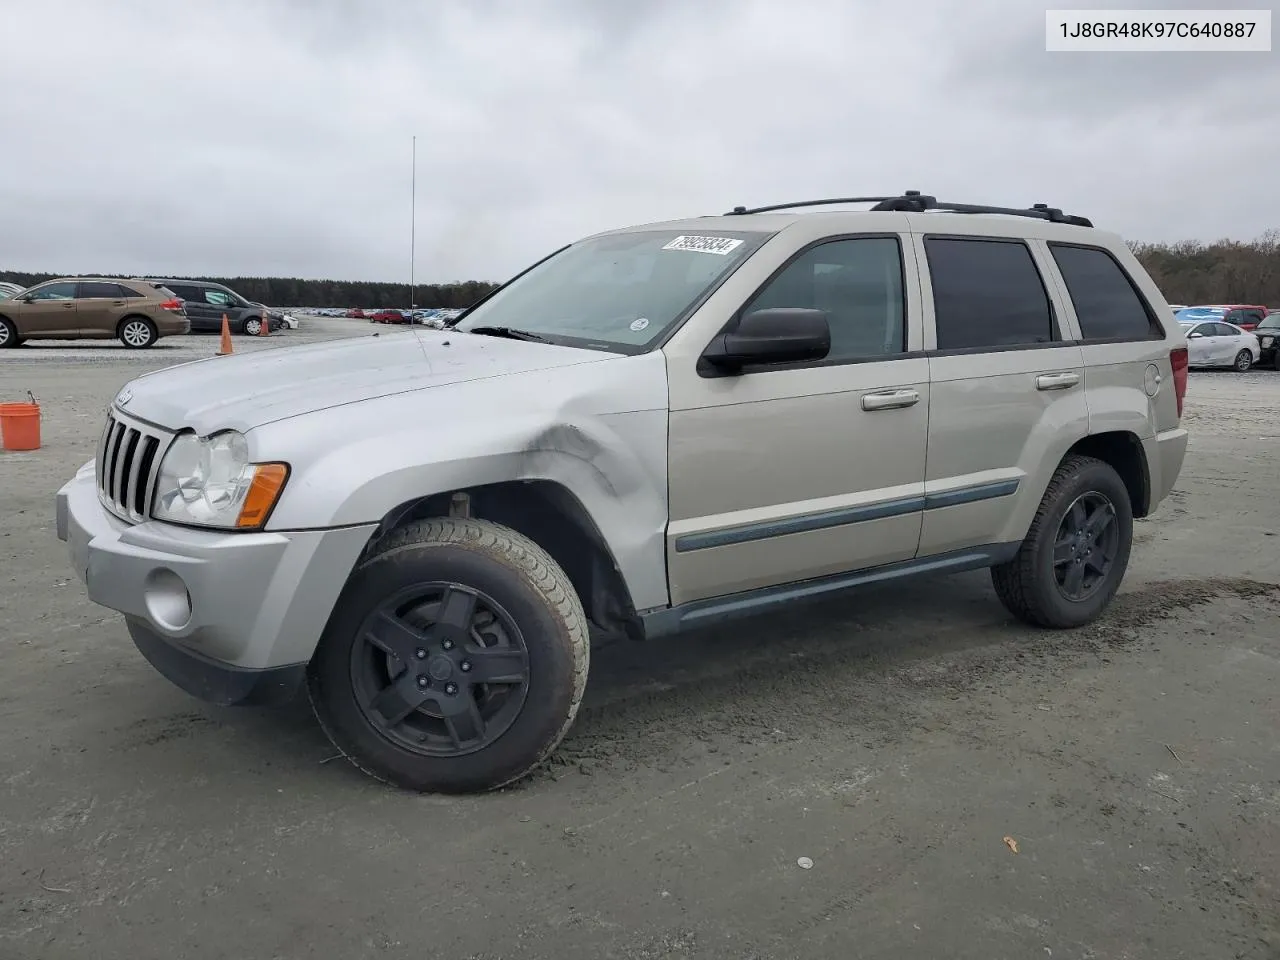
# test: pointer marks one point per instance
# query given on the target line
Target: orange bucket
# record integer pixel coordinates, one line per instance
(20, 425)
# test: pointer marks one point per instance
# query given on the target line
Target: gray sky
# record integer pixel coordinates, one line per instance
(272, 137)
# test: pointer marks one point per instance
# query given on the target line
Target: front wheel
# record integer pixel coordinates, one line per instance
(1075, 554)
(1244, 360)
(252, 327)
(455, 659)
(137, 333)
(8, 334)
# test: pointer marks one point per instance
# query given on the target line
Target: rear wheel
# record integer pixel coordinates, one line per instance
(137, 333)
(1076, 552)
(455, 659)
(1244, 360)
(8, 334)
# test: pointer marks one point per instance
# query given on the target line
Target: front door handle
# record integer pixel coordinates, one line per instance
(890, 400)
(1057, 381)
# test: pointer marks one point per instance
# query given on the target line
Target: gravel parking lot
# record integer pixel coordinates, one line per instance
(965, 787)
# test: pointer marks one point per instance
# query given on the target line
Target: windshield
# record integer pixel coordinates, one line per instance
(1195, 314)
(618, 292)
(1271, 322)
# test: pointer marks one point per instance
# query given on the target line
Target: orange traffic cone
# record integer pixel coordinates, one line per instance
(264, 326)
(225, 347)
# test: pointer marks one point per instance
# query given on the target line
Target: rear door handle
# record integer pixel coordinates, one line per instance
(1057, 381)
(890, 400)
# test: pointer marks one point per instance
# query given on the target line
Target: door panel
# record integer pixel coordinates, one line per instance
(996, 429)
(1005, 401)
(787, 475)
(97, 305)
(50, 313)
(1227, 343)
(779, 475)
(1199, 349)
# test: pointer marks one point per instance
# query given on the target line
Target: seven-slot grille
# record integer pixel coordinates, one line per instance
(128, 462)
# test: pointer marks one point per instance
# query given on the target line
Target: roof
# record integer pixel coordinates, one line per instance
(912, 211)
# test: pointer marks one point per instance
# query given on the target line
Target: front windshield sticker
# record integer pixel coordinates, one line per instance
(639, 324)
(720, 246)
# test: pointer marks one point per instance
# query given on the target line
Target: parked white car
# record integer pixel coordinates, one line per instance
(1213, 343)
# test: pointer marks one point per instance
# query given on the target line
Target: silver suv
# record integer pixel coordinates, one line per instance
(650, 430)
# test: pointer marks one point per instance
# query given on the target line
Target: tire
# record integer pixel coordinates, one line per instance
(251, 327)
(1028, 585)
(137, 333)
(519, 584)
(1275, 360)
(1243, 361)
(8, 334)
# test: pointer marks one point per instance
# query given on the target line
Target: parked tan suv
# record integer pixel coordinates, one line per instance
(92, 308)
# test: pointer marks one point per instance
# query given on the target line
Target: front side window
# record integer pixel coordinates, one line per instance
(54, 291)
(219, 298)
(987, 293)
(858, 283)
(1107, 304)
(619, 292)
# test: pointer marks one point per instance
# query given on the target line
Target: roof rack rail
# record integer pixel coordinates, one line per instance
(913, 201)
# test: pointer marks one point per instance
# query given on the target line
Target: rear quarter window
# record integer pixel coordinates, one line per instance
(1107, 303)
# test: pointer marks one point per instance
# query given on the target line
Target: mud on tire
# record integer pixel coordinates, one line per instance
(452, 562)
(1031, 585)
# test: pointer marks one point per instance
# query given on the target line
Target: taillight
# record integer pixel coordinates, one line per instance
(1179, 360)
(174, 305)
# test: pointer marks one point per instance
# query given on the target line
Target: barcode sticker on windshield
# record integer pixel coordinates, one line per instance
(720, 246)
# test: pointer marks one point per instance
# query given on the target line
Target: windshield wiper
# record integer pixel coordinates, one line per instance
(510, 333)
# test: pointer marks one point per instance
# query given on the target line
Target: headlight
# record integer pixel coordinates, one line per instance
(1266, 341)
(209, 482)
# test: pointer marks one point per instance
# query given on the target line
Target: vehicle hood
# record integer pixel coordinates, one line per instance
(247, 390)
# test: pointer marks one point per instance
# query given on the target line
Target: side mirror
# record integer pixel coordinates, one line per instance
(1194, 336)
(775, 335)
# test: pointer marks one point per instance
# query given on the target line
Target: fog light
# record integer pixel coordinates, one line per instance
(167, 598)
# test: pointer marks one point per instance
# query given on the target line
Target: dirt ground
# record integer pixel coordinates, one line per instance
(905, 741)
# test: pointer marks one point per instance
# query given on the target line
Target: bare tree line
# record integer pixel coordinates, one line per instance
(1225, 271)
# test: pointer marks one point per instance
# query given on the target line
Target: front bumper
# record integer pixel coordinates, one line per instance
(1268, 354)
(228, 617)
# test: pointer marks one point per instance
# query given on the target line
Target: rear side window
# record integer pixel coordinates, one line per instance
(1106, 301)
(93, 290)
(987, 293)
(132, 292)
